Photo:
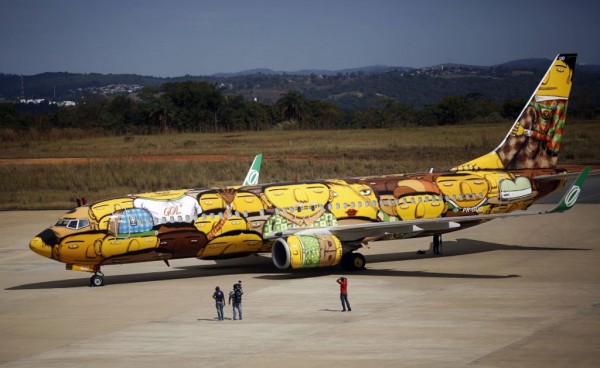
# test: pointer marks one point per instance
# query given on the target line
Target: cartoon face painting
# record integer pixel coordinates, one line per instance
(352, 200)
(557, 81)
(465, 191)
(302, 200)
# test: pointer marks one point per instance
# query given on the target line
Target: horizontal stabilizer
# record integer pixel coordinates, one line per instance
(571, 196)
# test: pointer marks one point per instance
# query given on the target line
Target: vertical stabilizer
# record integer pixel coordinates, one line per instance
(534, 140)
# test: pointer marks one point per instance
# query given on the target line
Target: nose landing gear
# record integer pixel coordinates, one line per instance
(97, 279)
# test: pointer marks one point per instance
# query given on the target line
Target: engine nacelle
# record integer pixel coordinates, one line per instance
(307, 250)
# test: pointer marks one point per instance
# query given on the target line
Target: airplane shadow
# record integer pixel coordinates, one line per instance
(264, 269)
(461, 247)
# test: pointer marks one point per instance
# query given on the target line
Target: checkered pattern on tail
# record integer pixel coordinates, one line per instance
(534, 141)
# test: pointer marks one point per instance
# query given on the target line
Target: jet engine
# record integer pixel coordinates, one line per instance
(307, 250)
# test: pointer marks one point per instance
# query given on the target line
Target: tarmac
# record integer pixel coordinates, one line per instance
(515, 292)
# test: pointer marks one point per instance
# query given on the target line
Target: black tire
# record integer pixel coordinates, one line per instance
(358, 261)
(97, 280)
(353, 261)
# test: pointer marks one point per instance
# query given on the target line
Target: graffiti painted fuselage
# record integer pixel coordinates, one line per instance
(223, 223)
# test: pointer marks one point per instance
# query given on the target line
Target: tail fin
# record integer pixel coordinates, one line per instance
(533, 142)
(254, 172)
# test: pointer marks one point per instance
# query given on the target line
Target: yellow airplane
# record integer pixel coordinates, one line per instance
(323, 223)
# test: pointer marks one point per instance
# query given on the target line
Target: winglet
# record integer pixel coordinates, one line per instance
(570, 198)
(254, 172)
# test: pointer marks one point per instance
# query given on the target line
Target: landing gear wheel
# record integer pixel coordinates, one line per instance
(353, 261)
(97, 280)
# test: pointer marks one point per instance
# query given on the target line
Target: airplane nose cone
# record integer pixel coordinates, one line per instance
(38, 246)
(43, 243)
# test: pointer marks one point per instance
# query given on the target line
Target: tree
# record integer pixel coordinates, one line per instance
(195, 102)
(162, 113)
(292, 106)
(324, 114)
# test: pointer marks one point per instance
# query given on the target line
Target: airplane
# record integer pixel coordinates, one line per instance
(322, 223)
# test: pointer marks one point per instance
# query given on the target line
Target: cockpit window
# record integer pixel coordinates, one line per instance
(61, 223)
(72, 224)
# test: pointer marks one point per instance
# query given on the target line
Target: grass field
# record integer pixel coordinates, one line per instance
(112, 166)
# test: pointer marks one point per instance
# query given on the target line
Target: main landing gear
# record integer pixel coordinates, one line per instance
(437, 244)
(97, 279)
(353, 261)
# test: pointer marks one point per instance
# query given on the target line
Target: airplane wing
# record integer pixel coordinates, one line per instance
(357, 232)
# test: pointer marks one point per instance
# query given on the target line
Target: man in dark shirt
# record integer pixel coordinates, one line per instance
(236, 296)
(219, 298)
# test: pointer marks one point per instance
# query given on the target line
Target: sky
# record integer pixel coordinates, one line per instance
(203, 37)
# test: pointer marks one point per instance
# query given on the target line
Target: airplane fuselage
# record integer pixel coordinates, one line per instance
(229, 222)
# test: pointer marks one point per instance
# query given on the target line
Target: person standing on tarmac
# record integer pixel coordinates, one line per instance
(219, 298)
(344, 293)
(235, 295)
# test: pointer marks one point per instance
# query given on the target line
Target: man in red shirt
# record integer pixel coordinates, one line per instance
(344, 293)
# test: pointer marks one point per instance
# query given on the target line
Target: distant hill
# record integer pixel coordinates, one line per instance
(537, 63)
(348, 88)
